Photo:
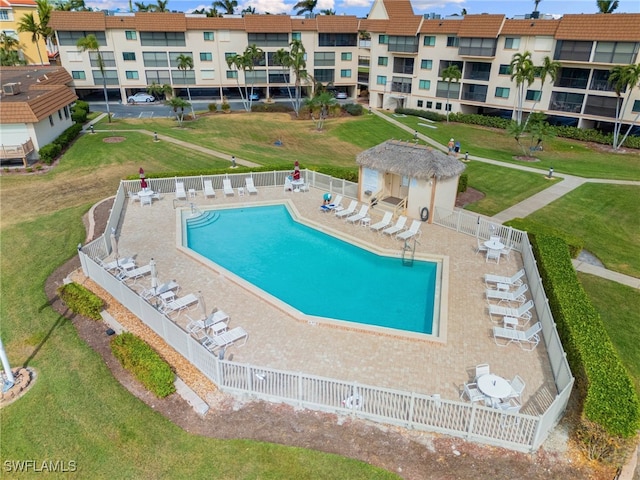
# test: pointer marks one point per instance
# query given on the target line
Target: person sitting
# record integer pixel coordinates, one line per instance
(326, 198)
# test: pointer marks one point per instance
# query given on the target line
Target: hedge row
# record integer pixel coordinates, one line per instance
(144, 363)
(49, 152)
(272, 107)
(81, 301)
(610, 399)
(575, 133)
(575, 244)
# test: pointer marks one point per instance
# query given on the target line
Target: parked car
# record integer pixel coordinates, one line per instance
(254, 96)
(342, 95)
(141, 97)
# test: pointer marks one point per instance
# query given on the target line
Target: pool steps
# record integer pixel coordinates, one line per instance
(203, 219)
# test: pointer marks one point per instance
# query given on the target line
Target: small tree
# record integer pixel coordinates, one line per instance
(90, 42)
(321, 102)
(229, 6)
(623, 77)
(9, 55)
(177, 103)
(246, 62)
(305, 6)
(450, 74)
(29, 24)
(607, 6)
(160, 91)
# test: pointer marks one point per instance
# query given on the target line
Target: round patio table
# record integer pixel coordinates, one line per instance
(494, 386)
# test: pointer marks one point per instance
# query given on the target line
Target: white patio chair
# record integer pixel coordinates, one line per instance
(133, 197)
(514, 281)
(398, 227)
(145, 200)
(382, 224)
(527, 340)
(482, 369)
(471, 391)
(517, 387)
(493, 255)
(481, 246)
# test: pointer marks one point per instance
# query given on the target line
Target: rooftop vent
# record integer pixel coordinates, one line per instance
(11, 88)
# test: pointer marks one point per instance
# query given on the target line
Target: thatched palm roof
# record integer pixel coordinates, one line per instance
(415, 161)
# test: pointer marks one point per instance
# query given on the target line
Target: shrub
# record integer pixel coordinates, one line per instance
(49, 152)
(225, 107)
(144, 363)
(463, 183)
(79, 115)
(436, 117)
(272, 107)
(610, 399)
(213, 107)
(81, 301)
(68, 136)
(354, 109)
(83, 105)
(575, 244)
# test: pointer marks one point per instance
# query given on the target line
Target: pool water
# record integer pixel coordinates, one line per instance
(317, 273)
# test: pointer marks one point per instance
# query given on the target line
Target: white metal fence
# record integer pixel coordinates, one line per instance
(408, 409)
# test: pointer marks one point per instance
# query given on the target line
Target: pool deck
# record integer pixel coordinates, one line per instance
(278, 339)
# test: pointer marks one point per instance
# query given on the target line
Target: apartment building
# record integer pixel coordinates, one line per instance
(395, 54)
(11, 12)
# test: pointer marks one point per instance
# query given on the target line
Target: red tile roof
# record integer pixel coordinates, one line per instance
(267, 23)
(530, 27)
(160, 22)
(441, 26)
(337, 23)
(481, 26)
(78, 21)
(602, 26)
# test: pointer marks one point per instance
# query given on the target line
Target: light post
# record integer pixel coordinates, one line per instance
(92, 130)
(155, 136)
(550, 172)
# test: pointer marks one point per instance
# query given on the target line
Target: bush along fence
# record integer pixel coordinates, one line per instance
(81, 301)
(608, 396)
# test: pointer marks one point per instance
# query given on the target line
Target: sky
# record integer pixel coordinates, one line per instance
(361, 8)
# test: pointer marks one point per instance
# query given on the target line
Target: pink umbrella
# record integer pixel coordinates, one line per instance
(143, 184)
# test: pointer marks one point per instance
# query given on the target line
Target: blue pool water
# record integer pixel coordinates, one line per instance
(316, 273)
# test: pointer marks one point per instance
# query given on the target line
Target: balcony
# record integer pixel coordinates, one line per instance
(9, 152)
(566, 107)
(474, 96)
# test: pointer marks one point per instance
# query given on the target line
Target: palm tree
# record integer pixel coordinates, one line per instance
(72, 6)
(523, 71)
(9, 55)
(321, 101)
(283, 58)
(246, 62)
(248, 11)
(29, 24)
(141, 7)
(298, 63)
(607, 6)
(450, 74)
(159, 91)
(305, 6)
(161, 6)
(623, 77)
(44, 14)
(178, 103)
(90, 42)
(185, 62)
(328, 11)
(549, 68)
(229, 6)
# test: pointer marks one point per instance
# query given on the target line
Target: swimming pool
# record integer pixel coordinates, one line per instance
(316, 273)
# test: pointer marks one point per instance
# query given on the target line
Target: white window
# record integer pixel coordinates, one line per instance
(5, 15)
(208, 74)
(74, 55)
(543, 44)
(224, 36)
(511, 43)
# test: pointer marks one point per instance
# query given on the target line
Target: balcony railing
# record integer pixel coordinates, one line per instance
(566, 107)
(474, 97)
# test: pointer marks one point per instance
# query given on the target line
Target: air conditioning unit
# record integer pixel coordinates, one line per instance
(11, 88)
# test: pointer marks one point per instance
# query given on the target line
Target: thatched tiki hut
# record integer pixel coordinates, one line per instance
(412, 179)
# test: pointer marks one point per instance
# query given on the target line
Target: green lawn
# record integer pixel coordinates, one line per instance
(565, 156)
(619, 308)
(606, 218)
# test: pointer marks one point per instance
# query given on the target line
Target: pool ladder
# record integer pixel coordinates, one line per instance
(408, 253)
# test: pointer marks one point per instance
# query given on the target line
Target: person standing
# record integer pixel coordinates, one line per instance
(450, 145)
(456, 148)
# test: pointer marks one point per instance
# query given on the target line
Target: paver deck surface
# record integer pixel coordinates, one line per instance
(279, 340)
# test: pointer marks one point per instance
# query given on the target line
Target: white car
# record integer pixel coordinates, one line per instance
(254, 96)
(141, 97)
(342, 95)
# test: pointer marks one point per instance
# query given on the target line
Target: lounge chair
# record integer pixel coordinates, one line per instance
(364, 209)
(413, 230)
(226, 186)
(398, 227)
(523, 311)
(288, 186)
(179, 304)
(250, 187)
(216, 322)
(118, 263)
(528, 340)
(384, 223)
(350, 210)
(225, 339)
(134, 274)
(515, 280)
(337, 203)
(208, 189)
(181, 194)
(169, 286)
(502, 296)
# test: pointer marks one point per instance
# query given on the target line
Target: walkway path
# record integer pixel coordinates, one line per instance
(539, 200)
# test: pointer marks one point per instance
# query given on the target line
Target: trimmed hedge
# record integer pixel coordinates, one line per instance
(144, 363)
(575, 133)
(463, 183)
(81, 301)
(272, 107)
(49, 152)
(353, 109)
(575, 244)
(610, 399)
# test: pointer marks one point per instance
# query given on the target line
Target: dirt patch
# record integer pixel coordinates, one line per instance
(410, 454)
(471, 195)
(113, 139)
(526, 158)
